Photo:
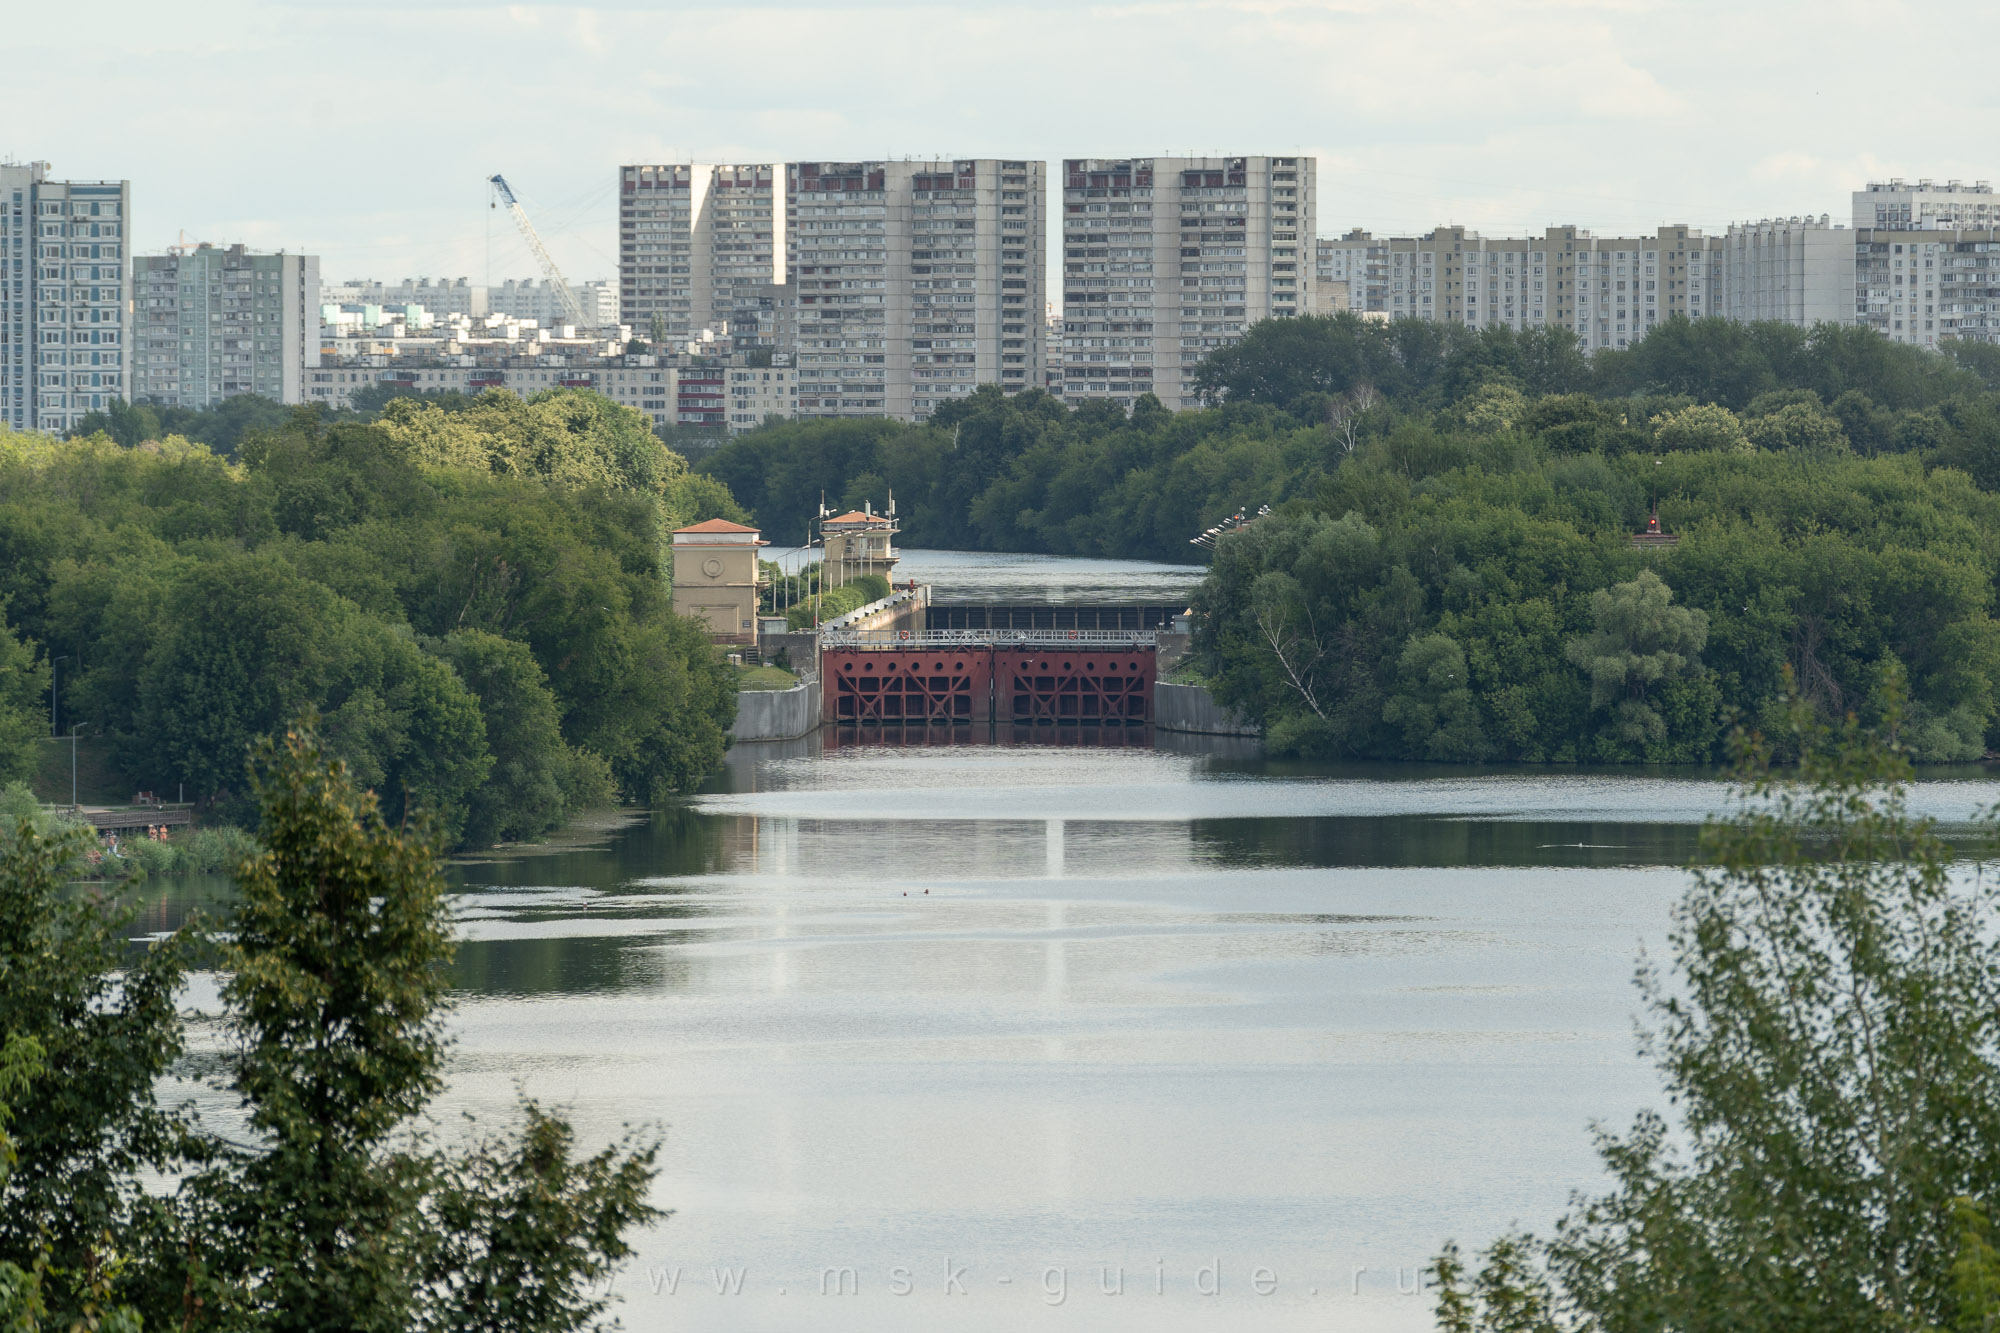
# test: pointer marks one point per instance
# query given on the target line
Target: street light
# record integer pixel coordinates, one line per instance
(74, 727)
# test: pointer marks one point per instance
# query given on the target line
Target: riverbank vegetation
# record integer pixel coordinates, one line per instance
(333, 1204)
(1448, 573)
(1824, 1031)
(474, 598)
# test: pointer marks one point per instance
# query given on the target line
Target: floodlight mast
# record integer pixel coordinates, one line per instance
(567, 298)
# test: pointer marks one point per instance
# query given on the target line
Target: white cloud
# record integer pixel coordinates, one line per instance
(366, 133)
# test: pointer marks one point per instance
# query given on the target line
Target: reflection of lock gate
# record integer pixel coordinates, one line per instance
(908, 680)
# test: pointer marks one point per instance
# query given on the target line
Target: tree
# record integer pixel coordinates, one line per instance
(1800, 426)
(537, 779)
(24, 682)
(1433, 702)
(1702, 427)
(334, 1220)
(656, 333)
(1641, 641)
(101, 1021)
(1830, 1036)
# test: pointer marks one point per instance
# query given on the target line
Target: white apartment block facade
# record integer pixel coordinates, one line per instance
(1166, 260)
(914, 282)
(538, 301)
(1609, 290)
(1795, 270)
(733, 392)
(698, 245)
(1357, 263)
(1898, 205)
(65, 347)
(213, 322)
(1927, 287)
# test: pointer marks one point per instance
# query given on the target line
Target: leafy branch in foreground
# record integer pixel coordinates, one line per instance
(342, 1213)
(1830, 1038)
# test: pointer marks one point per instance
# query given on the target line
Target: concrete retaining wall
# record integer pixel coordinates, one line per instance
(777, 715)
(1193, 708)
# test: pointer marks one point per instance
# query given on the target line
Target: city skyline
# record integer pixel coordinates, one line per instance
(1500, 118)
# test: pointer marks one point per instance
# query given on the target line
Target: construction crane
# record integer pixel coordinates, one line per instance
(572, 311)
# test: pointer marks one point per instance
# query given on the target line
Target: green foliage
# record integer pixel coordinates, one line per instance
(336, 962)
(1704, 426)
(569, 438)
(1640, 642)
(1828, 1039)
(537, 778)
(834, 602)
(24, 684)
(338, 1218)
(222, 427)
(1497, 525)
(104, 1027)
(202, 603)
(529, 1235)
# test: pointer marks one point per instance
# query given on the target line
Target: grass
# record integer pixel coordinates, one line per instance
(764, 678)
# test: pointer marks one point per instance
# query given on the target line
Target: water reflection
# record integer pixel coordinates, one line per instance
(1019, 1001)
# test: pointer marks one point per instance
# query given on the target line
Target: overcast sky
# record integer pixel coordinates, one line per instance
(363, 130)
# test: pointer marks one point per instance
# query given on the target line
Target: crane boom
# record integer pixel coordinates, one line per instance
(553, 275)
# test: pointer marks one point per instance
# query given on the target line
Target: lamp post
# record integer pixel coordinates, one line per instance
(55, 728)
(74, 727)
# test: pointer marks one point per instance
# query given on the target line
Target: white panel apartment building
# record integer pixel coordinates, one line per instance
(914, 282)
(1358, 262)
(64, 255)
(1927, 287)
(1897, 205)
(1795, 270)
(1609, 290)
(213, 322)
(1927, 261)
(1167, 259)
(699, 246)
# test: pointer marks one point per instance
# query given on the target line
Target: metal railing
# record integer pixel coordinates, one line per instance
(989, 638)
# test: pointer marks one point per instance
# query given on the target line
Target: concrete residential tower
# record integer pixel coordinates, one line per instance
(698, 244)
(915, 282)
(1166, 259)
(64, 337)
(214, 322)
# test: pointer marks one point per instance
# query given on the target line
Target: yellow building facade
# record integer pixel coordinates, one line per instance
(716, 578)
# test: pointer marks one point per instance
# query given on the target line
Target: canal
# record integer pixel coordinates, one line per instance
(1032, 1031)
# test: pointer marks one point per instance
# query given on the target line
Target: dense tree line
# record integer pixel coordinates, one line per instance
(1448, 574)
(1296, 397)
(332, 1205)
(475, 601)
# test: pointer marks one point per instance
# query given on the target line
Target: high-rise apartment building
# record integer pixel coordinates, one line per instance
(1609, 290)
(914, 282)
(1165, 260)
(64, 349)
(1898, 205)
(699, 246)
(1796, 270)
(1359, 261)
(212, 322)
(1927, 287)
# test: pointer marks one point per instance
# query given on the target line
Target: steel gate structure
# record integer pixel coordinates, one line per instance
(931, 677)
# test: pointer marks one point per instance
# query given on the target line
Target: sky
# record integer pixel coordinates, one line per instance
(363, 131)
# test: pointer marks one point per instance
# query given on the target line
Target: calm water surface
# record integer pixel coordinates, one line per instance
(990, 1022)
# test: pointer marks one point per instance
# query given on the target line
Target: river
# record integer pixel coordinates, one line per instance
(1133, 1036)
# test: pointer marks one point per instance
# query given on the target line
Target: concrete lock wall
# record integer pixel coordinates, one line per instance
(1193, 708)
(777, 715)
